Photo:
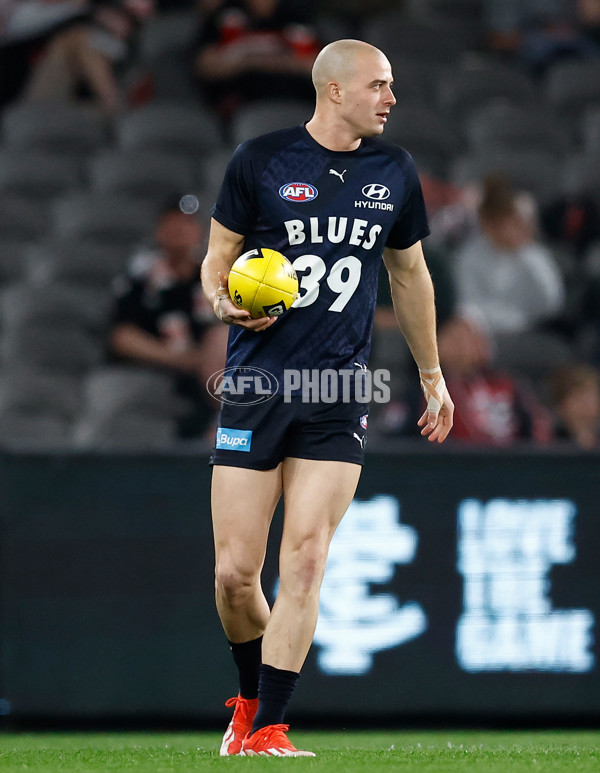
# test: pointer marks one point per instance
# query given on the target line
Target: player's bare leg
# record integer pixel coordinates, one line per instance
(243, 502)
(317, 494)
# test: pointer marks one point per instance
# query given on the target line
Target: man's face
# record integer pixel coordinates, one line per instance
(179, 237)
(367, 96)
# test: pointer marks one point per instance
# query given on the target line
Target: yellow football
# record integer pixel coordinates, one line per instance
(263, 282)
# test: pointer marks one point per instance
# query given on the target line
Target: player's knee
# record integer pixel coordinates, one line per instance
(306, 567)
(234, 585)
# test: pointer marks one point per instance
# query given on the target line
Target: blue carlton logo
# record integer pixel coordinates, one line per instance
(234, 439)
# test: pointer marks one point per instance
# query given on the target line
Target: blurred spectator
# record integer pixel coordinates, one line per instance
(575, 398)
(572, 220)
(541, 32)
(588, 12)
(390, 350)
(90, 58)
(26, 28)
(506, 281)
(65, 49)
(452, 210)
(161, 317)
(492, 407)
(250, 50)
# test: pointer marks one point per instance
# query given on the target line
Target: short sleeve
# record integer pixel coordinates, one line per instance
(127, 306)
(235, 207)
(411, 225)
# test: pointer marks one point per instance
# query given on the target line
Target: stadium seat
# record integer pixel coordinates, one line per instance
(262, 117)
(146, 175)
(170, 128)
(329, 27)
(414, 81)
(211, 171)
(34, 433)
(122, 390)
(535, 171)
(572, 86)
(461, 19)
(592, 260)
(53, 128)
(396, 31)
(66, 350)
(167, 33)
(581, 174)
(53, 307)
(24, 392)
(478, 81)
(467, 10)
(72, 261)
(505, 124)
(590, 131)
(129, 432)
(531, 355)
(37, 175)
(418, 128)
(104, 218)
(22, 219)
(172, 79)
(14, 255)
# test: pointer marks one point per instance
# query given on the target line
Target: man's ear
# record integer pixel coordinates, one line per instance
(334, 91)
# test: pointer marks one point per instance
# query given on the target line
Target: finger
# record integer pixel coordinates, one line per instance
(429, 419)
(256, 325)
(442, 430)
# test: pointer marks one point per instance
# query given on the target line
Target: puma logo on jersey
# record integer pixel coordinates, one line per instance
(361, 440)
(338, 174)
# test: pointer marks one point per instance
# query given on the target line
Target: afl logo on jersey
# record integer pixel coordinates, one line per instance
(298, 192)
(376, 191)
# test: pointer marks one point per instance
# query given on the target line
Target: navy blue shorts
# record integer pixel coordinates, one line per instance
(260, 436)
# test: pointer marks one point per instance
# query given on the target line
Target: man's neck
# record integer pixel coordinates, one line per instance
(331, 137)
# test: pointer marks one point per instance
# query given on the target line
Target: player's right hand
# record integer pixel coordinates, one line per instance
(228, 312)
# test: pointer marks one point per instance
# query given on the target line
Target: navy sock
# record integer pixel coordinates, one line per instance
(275, 688)
(247, 657)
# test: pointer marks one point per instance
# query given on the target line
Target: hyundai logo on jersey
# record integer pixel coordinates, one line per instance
(376, 191)
(234, 439)
(298, 192)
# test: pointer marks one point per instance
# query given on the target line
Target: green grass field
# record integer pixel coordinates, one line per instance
(338, 752)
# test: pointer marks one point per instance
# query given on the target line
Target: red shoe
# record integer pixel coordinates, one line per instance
(271, 741)
(240, 725)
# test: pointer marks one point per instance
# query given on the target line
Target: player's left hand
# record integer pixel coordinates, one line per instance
(437, 420)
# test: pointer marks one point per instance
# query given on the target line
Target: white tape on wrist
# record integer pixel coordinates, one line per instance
(433, 385)
(220, 295)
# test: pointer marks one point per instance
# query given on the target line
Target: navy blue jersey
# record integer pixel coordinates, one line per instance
(331, 214)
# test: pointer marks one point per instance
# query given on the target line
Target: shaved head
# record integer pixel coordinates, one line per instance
(337, 62)
(354, 82)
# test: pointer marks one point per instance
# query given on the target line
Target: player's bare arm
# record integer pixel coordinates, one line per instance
(224, 247)
(414, 306)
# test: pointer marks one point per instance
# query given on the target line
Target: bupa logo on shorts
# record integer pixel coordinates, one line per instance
(234, 439)
(298, 192)
(376, 191)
